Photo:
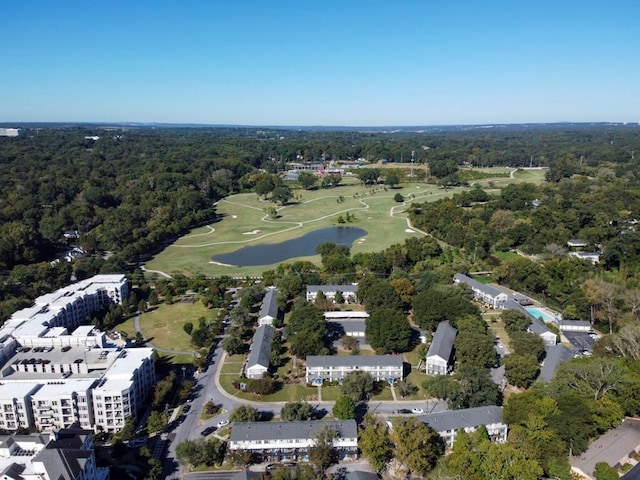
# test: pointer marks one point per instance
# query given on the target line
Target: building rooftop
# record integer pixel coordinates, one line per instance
(354, 360)
(442, 343)
(466, 418)
(350, 287)
(490, 290)
(260, 352)
(555, 356)
(269, 307)
(290, 430)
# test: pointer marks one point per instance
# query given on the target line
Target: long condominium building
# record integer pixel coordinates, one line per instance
(55, 372)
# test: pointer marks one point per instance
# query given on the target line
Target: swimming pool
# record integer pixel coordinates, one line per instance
(547, 317)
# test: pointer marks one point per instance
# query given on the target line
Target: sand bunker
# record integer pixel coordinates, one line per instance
(221, 264)
(408, 230)
(234, 216)
(252, 232)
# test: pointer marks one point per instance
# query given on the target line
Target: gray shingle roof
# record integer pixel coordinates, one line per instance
(538, 327)
(261, 347)
(333, 288)
(490, 290)
(290, 430)
(555, 356)
(466, 418)
(442, 343)
(269, 305)
(354, 360)
(353, 325)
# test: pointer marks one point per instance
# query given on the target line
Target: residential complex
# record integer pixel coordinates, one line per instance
(330, 368)
(260, 353)
(349, 292)
(273, 441)
(64, 455)
(439, 359)
(448, 423)
(269, 308)
(55, 372)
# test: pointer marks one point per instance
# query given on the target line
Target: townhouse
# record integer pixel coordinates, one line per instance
(488, 295)
(269, 308)
(439, 360)
(275, 441)
(330, 368)
(259, 357)
(349, 292)
(448, 423)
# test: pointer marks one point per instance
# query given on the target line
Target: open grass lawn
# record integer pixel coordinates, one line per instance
(244, 222)
(289, 393)
(164, 325)
(496, 327)
(385, 394)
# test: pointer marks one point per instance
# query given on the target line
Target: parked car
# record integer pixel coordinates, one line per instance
(208, 431)
(223, 423)
(137, 442)
(417, 411)
(186, 408)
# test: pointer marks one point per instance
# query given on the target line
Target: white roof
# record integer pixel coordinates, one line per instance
(9, 391)
(83, 331)
(63, 389)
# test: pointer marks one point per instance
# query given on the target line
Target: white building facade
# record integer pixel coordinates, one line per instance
(331, 368)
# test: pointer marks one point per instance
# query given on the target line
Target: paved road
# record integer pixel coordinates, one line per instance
(208, 389)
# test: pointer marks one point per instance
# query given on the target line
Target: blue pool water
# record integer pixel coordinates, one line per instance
(537, 313)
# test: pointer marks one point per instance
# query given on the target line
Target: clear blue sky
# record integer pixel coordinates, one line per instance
(328, 62)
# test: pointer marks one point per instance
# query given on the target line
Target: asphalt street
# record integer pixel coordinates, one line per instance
(207, 390)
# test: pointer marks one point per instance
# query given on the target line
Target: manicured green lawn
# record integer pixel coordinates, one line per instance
(164, 325)
(245, 223)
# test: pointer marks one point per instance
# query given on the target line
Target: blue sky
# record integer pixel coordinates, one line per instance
(348, 62)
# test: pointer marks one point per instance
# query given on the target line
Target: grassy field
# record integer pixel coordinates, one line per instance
(164, 326)
(244, 221)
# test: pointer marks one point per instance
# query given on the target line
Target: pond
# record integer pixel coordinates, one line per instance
(298, 247)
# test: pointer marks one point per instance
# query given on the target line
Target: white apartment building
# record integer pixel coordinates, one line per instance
(60, 404)
(15, 405)
(447, 424)
(124, 389)
(275, 441)
(349, 292)
(331, 368)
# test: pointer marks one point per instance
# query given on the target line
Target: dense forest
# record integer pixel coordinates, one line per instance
(130, 190)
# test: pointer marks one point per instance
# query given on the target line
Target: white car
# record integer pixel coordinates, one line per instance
(223, 423)
(417, 410)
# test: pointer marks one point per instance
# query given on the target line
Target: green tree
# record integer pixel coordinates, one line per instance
(322, 454)
(296, 411)
(358, 385)
(281, 194)
(604, 471)
(156, 421)
(405, 389)
(374, 443)
(344, 408)
(243, 413)
(307, 180)
(514, 321)
(521, 370)
(473, 348)
(388, 331)
(233, 345)
(398, 198)
(392, 179)
(528, 343)
(416, 445)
